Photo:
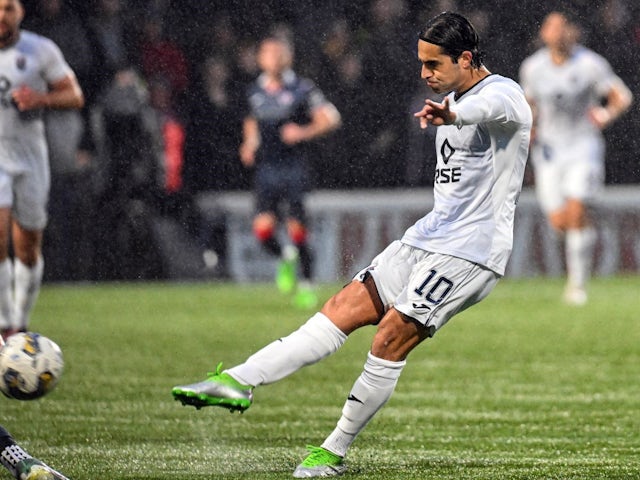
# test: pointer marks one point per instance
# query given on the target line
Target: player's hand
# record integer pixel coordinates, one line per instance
(247, 155)
(600, 117)
(26, 98)
(435, 113)
(292, 133)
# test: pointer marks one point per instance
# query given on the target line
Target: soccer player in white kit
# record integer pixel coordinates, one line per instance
(33, 76)
(446, 262)
(566, 85)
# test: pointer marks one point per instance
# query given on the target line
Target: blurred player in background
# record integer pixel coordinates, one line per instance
(574, 95)
(286, 112)
(22, 465)
(33, 76)
(446, 262)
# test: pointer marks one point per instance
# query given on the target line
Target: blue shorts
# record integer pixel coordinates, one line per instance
(281, 189)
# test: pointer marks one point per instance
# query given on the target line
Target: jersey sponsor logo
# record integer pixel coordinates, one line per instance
(448, 174)
(447, 151)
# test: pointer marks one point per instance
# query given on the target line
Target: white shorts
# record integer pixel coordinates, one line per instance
(27, 195)
(428, 287)
(575, 171)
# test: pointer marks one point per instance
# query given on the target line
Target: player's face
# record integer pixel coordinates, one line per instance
(438, 69)
(11, 14)
(556, 32)
(273, 57)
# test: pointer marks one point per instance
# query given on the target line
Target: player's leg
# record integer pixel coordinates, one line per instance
(7, 326)
(270, 190)
(584, 181)
(318, 338)
(22, 465)
(580, 242)
(438, 288)
(27, 273)
(264, 229)
(305, 296)
(29, 219)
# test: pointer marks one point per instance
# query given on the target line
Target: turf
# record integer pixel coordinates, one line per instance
(518, 387)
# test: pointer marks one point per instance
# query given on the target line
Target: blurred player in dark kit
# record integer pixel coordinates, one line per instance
(286, 112)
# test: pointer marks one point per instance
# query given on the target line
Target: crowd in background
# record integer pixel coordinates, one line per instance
(165, 85)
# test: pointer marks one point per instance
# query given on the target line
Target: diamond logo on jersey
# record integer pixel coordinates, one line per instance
(446, 151)
(21, 63)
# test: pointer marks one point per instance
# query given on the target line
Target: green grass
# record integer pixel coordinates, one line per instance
(518, 387)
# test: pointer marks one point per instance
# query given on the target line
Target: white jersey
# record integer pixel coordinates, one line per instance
(479, 173)
(34, 61)
(562, 94)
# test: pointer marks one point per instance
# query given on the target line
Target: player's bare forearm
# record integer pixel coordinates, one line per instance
(65, 94)
(325, 120)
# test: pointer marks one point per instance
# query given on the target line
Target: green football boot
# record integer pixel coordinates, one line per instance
(219, 390)
(320, 463)
(287, 270)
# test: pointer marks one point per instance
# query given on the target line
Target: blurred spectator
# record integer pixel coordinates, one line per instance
(615, 26)
(131, 171)
(246, 68)
(160, 56)
(110, 38)
(67, 244)
(389, 59)
(213, 131)
(346, 153)
(179, 199)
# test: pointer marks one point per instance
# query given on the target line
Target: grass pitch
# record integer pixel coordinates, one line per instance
(518, 387)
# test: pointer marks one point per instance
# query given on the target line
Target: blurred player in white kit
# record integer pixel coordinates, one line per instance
(33, 76)
(574, 95)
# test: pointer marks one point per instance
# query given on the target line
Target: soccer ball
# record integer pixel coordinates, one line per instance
(30, 366)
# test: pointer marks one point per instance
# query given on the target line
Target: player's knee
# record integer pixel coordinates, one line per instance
(558, 220)
(297, 232)
(263, 228)
(576, 214)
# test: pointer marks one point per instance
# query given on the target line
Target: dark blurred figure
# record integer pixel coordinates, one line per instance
(110, 37)
(67, 244)
(341, 76)
(206, 230)
(214, 131)
(131, 173)
(159, 56)
(615, 34)
(388, 60)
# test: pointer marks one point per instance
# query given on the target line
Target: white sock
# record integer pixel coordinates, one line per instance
(369, 393)
(6, 294)
(27, 287)
(313, 341)
(579, 250)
